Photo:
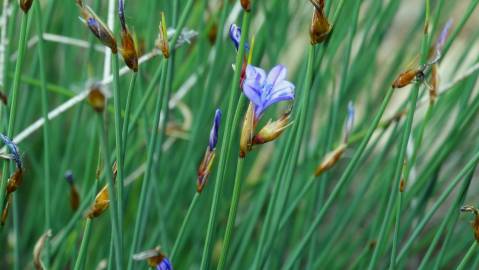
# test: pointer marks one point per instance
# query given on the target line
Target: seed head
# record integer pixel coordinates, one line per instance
(98, 28)
(320, 26)
(96, 98)
(25, 5)
(102, 201)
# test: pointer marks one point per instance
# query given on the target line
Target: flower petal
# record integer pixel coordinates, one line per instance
(277, 74)
(281, 92)
(252, 91)
(255, 73)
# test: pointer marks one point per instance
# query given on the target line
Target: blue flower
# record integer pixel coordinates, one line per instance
(265, 90)
(165, 264)
(121, 13)
(235, 35)
(214, 130)
(443, 35)
(13, 150)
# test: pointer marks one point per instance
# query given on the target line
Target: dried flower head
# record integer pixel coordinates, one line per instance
(102, 201)
(162, 41)
(97, 99)
(320, 26)
(98, 27)
(246, 4)
(128, 49)
(475, 223)
(25, 5)
(273, 129)
(155, 258)
(330, 160)
(37, 250)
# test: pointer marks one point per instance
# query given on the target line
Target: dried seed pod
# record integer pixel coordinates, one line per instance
(475, 223)
(272, 130)
(128, 50)
(162, 41)
(25, 5)
(102, 201)
(330, 160)
(407, 77)
(246, 4)
(320, 26)
(97, 99)
(37, 250)
(246, 140)
(15, 181)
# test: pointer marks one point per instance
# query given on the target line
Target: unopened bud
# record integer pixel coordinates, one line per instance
(25, 5)
(99, 28)
(330, 160)
(128, 50)
(246, 4)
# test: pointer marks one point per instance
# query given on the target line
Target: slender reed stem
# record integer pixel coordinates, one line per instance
(111, 191)
(126, 120)
(80, 261)
(14, 95)
(470, 252)
(181, 233)
(232, 214)
(225, 144)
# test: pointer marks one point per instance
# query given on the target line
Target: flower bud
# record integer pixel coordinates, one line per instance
(330, 160)
(320, 26)
(25, 5)
(246, 140)
(128, 50)
(99, 28)
(162, 41)
(272, 130)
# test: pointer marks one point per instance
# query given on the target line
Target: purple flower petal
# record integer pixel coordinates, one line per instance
(164, 265)
(277, 74)
(235, 36)
(256, 74)
(214, 130)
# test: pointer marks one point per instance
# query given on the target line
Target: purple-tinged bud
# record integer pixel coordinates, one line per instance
(25, 5)
(348, 127)
(155, 258)
(214, 130)
(13, 148)
(69, 177)
(235, 36)
(128, 49)
(99, 28)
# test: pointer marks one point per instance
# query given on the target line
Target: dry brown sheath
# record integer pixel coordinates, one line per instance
(128, 50)
(330, 160)
(246, 139)
(97, 99)
(406, 78)
(6, 208)
(74, 198)
(25, 5)
(102, 201)
(320, 26)
(246, 4)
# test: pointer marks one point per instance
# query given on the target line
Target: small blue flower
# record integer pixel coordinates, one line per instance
(265, 90)
(13, 150)
(214, 130)
(235, 35)
(164, 265)
(69, 177)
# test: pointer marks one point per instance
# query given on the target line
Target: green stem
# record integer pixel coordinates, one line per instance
(14, 95)
(181, 233)
(126, 120)
(46, 130)
(111, 191)
(149, 163)
(119, 144)
(225, 144)
(342, 181)
(462, 265)
(79, 263)
(232, 214)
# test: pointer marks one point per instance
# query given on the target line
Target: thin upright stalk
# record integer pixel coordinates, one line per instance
(126, 120)
(181, 232)
(225, 144)
(80, 261)
(46, 130)
(111, 192)
(342, 181)
(232, 214)
(470, 252)
(14, 95)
